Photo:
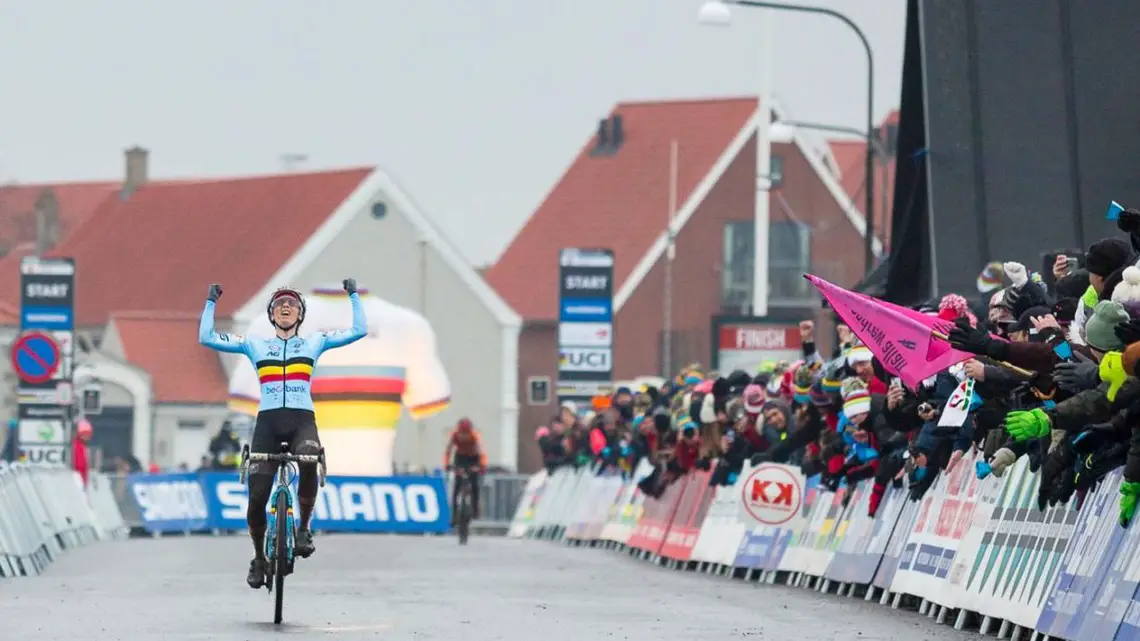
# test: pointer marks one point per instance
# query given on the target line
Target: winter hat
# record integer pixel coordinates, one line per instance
(953, 307)
(1107, 255)
(1065, 310)
(990, 278)
(819, 396)
(859, 353)
(1098, 330)
(1025, 322)
(856, 398)
(753, 399)
(1127, 293)
(801, 382)
(737, 381)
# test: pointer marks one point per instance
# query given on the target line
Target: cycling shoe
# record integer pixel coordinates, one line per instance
(256, 577)
(304, 547)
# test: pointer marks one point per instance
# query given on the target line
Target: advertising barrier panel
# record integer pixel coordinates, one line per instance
(524, 514)
(686, 523)
(649, 531)
(218, 500)
(978, 546)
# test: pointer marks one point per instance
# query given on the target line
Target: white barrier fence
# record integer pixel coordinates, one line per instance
(44, 510)
(974, 553)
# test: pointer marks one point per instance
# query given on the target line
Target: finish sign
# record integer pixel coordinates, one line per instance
(35, 357)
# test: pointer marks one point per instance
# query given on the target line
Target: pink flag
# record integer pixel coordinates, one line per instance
(899, 337)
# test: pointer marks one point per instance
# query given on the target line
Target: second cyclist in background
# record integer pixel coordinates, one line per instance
(467, 446)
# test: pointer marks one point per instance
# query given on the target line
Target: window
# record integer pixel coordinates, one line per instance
(789, 258)
(92, 401)
(538, 390)
(776, 171)
(736, 275)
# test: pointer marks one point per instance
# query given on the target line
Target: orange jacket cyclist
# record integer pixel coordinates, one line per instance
(467, 446)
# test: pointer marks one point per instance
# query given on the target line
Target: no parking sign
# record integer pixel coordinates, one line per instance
(35, 357)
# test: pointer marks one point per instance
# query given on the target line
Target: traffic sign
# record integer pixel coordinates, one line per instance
(35, 357)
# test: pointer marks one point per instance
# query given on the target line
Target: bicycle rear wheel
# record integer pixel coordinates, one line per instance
(463, 519)
(281, 560)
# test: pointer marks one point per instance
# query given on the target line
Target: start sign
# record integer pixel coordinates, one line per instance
(772, 495)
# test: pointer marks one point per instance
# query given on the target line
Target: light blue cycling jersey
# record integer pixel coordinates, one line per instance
(284, 365)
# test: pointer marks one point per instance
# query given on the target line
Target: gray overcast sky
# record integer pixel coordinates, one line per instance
(475, 106)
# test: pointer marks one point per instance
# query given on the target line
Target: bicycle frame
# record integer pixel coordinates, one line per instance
(285, 462)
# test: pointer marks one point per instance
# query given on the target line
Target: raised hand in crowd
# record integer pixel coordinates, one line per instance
(807, 331)
(1060, 267)
(974, 369)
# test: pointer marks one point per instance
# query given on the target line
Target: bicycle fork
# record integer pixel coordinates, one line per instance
(271, 530)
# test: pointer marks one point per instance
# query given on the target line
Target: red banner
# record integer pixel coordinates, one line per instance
(689, 517)
(649, 533)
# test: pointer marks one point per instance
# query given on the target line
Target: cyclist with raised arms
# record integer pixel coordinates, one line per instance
(284, 367)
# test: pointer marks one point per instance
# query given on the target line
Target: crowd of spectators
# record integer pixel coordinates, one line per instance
(1054, 379)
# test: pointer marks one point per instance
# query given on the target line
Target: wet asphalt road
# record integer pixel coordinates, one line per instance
(420, 589)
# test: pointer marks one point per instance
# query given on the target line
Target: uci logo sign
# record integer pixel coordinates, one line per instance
(772, 495)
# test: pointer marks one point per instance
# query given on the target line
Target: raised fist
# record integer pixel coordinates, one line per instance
(214, 293)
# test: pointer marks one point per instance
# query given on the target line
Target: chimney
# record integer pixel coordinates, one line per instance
(602, 145)
(617, 132)
(136, 175)
(47, 221)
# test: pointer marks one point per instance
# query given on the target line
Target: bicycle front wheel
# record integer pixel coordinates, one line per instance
(281, 560)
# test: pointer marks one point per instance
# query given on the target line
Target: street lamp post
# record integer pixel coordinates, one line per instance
(716, 12)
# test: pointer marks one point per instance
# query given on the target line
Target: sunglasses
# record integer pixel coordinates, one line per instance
(286, 301)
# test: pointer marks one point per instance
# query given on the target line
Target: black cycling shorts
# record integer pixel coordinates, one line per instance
(466, 461)
(296, 427)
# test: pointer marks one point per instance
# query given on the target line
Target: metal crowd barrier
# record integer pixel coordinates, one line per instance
(45, 510)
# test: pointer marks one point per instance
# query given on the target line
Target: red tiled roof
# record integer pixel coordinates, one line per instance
(168, 241)
(9, 314)
(165, 345)
(76, 201)
(619, 201)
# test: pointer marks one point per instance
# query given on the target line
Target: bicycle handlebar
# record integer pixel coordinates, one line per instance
(247, 457)
(291, 458)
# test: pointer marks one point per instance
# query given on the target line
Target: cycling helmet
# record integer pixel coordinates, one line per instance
(291, 293)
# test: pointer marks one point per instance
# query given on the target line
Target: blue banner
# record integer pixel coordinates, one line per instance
(218, 500)
(590, 310)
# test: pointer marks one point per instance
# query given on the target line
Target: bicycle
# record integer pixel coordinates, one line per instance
(282, 527)
(464, 510)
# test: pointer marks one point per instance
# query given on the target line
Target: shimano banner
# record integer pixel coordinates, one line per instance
(218, 500)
